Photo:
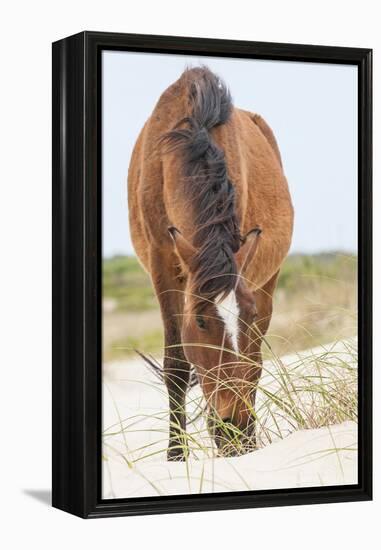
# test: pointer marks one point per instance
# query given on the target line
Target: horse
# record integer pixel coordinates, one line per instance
(211, 221)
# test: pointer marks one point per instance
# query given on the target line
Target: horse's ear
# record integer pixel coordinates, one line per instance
(249, 244)
(184, 248)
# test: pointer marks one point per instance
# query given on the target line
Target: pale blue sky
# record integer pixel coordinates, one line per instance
(311, 107)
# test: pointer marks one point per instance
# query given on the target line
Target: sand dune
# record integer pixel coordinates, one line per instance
(134, 458)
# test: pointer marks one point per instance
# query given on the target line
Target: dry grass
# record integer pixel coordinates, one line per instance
(305, 391)
(316, 303)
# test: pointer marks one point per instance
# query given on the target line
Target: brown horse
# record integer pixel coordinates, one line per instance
(211, 221)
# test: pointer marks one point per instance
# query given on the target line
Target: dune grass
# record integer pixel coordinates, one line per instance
(314, 389)
(315, 303)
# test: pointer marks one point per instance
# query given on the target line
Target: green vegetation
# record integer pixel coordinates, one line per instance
(315, 303)
(150, 342)
(126, 283)
(129, 286)
(305, 270)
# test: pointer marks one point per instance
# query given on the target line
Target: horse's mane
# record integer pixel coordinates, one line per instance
(208, 188)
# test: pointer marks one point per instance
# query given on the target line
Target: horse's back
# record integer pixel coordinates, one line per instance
(156, 184)
(262, 195)
(148, 213)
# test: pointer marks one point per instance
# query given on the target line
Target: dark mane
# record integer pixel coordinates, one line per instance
(211, 193)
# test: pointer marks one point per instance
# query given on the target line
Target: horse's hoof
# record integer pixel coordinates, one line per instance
(176, 455)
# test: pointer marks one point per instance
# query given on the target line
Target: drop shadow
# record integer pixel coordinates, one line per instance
(42, 495)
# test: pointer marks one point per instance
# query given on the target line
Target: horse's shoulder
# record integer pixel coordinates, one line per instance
(170, 107)
(265, 130)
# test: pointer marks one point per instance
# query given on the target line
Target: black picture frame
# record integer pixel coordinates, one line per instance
(77, 272)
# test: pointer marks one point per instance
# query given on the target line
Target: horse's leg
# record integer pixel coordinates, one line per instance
(264, 304)
(176, 367)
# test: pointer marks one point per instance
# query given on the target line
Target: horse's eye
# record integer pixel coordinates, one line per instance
(200, 322)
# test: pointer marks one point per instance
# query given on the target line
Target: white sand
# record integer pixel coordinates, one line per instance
(135, 460)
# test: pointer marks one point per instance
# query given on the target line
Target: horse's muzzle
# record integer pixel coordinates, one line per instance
(232, 440)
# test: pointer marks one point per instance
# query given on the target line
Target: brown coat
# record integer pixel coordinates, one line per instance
(158, 199)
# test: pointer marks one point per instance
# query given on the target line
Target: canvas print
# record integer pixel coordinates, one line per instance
(229, 281)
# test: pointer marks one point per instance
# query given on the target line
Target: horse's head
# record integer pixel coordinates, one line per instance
(221, 341)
